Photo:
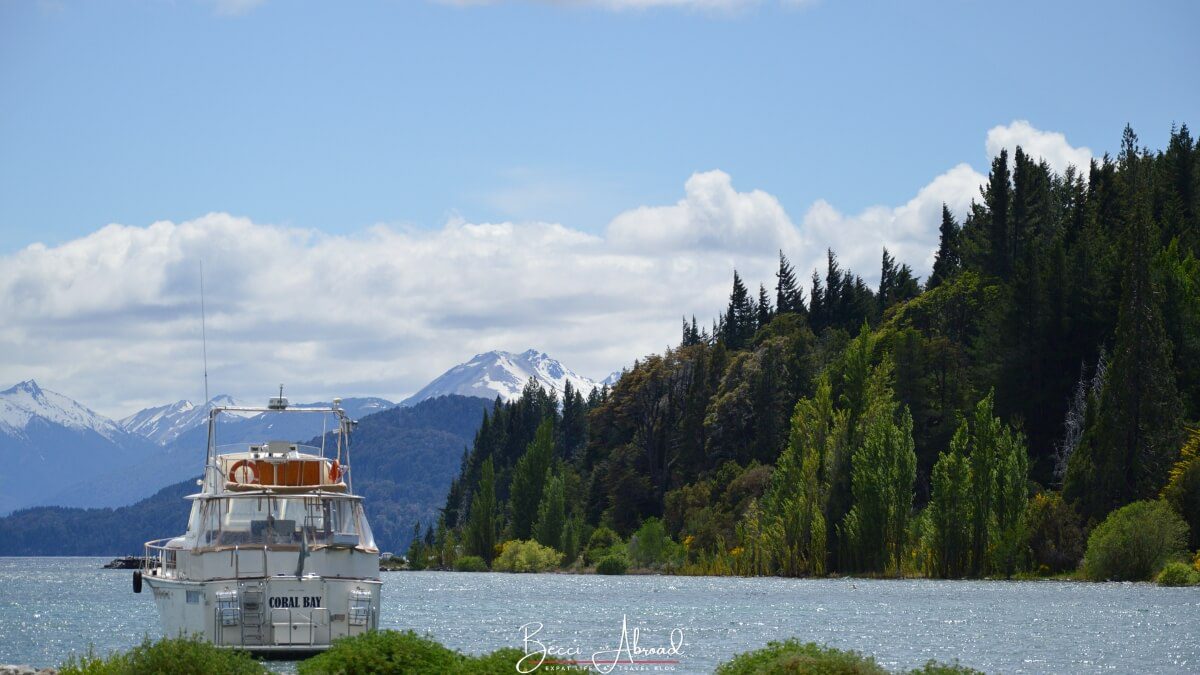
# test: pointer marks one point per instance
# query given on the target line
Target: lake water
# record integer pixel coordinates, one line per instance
(52, 607)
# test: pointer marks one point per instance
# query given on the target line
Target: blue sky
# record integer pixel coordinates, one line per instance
(380, 190)
(341, 115)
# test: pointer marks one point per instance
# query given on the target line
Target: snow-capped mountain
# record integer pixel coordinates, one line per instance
(612, 378)
(48, 442)
(26, 403)
(185, 424)
(503, 374)
(163, 424)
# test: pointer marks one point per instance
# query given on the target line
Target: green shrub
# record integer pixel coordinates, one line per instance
(526, 556)
(190, 655)
(1134, 542)
(470, 563)
(600, 545)
(613, 565)
(402, 653)
(385, 651)
(649, 546)
(778, 658)
(1055, 533)
(1178, 574)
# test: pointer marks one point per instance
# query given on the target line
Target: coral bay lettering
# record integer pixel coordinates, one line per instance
(294, 601)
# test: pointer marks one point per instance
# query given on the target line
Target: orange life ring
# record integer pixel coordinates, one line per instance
(335, 472)
(244, 463)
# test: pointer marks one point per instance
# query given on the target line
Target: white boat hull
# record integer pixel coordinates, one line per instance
(279, 614)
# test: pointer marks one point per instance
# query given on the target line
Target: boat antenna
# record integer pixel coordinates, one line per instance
(203, 335)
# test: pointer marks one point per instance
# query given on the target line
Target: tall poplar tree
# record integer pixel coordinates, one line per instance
(529, 480)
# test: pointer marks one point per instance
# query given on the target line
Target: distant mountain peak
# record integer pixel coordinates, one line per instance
(28, 386)
(25, 402)
(504, 374)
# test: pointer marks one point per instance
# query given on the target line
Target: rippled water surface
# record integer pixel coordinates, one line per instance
(51, 607)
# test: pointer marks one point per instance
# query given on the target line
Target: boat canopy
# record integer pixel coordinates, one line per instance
(278, 520)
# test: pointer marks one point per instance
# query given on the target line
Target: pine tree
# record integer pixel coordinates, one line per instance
(481, 528)
(764, 307)
(739, 316)
(835, 291)
(818, 313)
(887, 280)
(788, 298)
(1134, 437)
(948, 259)
(572, 428)
(998, 197)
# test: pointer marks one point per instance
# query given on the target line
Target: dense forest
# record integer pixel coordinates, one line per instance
(980, 423)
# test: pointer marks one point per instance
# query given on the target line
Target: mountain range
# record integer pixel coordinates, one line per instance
(403, 460)
(48, 442)
(59, 452)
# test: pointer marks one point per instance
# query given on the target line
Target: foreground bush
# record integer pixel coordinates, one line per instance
(793, 657)
(393, 652)
(782, 658)
(191, 656)
(470, 563)
(526, 556)
(1134, 542)
(1178, 574)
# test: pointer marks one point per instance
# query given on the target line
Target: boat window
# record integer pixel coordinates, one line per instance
(316, 521)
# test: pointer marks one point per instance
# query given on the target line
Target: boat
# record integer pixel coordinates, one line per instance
(278, 558)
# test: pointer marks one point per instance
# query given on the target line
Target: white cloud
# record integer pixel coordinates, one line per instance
(711, 216)
(1048, 145)
(112, 318)
(909, 232)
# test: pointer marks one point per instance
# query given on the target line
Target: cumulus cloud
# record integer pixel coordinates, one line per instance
(1051, 146)
(712, 215)
(113, 318)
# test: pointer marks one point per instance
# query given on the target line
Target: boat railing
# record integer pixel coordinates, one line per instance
(159, 558)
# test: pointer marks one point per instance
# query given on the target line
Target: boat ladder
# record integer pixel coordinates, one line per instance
(254, 615)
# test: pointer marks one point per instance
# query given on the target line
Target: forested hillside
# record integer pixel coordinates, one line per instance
(60, 530)
(978, 423)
